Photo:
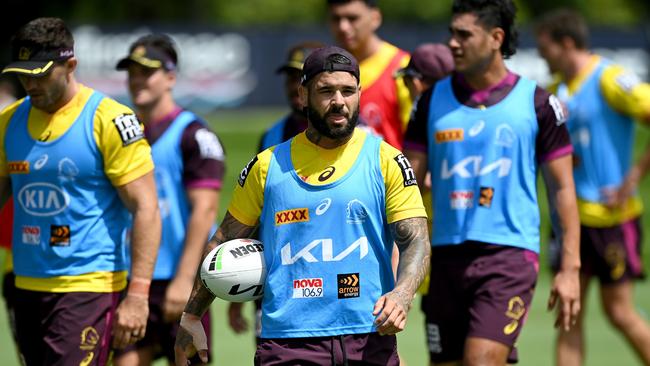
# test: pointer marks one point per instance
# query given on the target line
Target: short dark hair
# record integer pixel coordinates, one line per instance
(160, 41)
(370, 3)
(51, 33)
(564, 23)
(492, 14)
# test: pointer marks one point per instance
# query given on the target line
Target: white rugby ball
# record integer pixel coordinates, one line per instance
(235, 270)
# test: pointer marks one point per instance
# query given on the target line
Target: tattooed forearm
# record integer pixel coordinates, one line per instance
(412, 240)
(230, 228)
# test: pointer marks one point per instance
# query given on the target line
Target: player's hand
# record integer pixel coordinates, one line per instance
(236, 320)
(190, 339)
(391, 311)
(176, 296)
(617, 198)
(565, 294)
(130, 322)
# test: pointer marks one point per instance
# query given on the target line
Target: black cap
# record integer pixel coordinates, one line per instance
(297, 56)
(148, 56)
(34, 59)
(330, 59)
(430, 60)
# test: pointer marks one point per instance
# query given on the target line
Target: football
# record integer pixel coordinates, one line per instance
(235, 270)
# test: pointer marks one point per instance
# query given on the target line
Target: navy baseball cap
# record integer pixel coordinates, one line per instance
(429, 60)
(34, 59)
(330, 59)
(148, 56)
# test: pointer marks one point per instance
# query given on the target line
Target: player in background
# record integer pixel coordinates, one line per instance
(189, 168)
(385, 101)
(287, 127)
(330, 202)
(75, 161)
(484, 133)
(604, 100)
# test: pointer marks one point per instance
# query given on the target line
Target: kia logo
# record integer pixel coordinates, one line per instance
(43, 199)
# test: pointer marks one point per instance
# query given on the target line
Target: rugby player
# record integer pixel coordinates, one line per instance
(75, 161)
(189, 168)
(484, 133)
(329, 203)
(603, 100)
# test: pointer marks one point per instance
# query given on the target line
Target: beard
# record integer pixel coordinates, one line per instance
(320, 122)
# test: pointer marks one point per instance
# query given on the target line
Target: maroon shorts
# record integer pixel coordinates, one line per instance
(64, 328)
(351, 349)
(612, 254)
(161, 335)
(477, 290)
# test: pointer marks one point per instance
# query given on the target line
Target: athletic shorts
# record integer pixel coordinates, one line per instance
(64, 328)
(477, 290)
(351, 349)
(612, 254)
(160, 335)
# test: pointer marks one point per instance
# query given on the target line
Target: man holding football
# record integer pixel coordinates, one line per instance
(357, 195)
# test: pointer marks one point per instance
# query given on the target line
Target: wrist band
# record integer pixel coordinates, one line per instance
(138, 287)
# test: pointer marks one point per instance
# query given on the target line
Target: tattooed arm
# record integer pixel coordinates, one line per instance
(412, 241)
(191, 337)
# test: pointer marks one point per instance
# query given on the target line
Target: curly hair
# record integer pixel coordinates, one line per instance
(50, 33)
(493, 14)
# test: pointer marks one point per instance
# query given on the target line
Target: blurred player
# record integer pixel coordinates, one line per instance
(287, 127)
(189, 168)
(385, 102)
(603, 101)
(76, 161)
(483, 133)
(329, 204)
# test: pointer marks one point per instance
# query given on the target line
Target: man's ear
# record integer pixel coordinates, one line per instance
(498, 35)
(171, 77)
(71, 64)
(376, 19)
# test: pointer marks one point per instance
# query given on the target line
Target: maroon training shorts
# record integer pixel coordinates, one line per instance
(356, 349)
(477, 290)
(64, 328)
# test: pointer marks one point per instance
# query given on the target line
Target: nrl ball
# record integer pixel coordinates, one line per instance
(235, 270)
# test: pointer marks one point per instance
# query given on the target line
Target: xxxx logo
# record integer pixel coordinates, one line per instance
(291, 216)
(18, 167)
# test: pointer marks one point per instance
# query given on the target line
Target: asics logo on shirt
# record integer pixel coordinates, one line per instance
(41, 161)
(476, 129)
(324, 205)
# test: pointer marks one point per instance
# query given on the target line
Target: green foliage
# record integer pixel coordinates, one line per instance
(303, 12)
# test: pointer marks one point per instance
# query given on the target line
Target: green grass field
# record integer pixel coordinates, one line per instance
(240, 131)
